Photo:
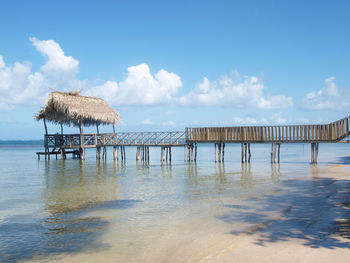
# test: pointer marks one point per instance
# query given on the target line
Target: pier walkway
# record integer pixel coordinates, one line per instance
(314, 134)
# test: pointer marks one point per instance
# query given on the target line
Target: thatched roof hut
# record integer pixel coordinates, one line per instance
(71, 108)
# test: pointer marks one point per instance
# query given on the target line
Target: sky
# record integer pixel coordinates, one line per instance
(167, 65)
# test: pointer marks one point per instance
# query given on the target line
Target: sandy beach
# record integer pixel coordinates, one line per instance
(305, 220)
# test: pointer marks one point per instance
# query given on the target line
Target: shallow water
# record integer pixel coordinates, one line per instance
(51, 209)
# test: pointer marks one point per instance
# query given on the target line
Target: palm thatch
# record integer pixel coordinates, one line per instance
(71, 108)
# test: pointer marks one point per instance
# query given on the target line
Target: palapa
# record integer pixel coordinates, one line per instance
(70, 108)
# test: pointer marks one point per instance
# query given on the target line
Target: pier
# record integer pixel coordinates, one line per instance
(75, 144)
(70, 108)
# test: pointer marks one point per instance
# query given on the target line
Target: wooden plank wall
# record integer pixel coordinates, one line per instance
(287, 133)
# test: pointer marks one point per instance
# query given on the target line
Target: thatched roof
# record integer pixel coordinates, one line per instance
(71, 108)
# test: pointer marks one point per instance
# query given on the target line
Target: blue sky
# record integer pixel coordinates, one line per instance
(166, 65)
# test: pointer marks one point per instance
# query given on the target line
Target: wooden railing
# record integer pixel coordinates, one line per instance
(118, 139)
(332, 132)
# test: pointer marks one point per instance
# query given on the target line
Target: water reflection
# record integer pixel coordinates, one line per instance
(71, 186)
(246, 177)
(315, 170)
(191, 169)
(275, 172)
(73, 190)
(167, 170)
(220, 174)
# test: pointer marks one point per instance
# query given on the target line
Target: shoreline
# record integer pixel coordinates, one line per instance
(304, 220)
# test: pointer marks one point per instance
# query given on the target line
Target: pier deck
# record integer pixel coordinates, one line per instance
(314, 134)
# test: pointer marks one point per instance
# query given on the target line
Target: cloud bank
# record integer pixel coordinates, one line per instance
(327, 98)
(20, 86)
(140, 87)
(236, 91)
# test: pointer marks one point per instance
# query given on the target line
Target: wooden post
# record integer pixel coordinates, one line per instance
(242, 160)
(223, 152)
(170, 154)
(219, 150)
(63, 154)
(44, 120)
(166, 154)
(98, 152)
(163, 154)
(191, 152)
(82, 149)
(195, 153)
(279, 147)
(271, 152)
(61, 128)
(215, 152)
(115, 152)
(249, 154)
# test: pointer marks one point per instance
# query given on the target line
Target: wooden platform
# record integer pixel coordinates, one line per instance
(75, 144)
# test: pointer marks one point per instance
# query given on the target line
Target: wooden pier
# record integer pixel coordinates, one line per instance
(62, 144)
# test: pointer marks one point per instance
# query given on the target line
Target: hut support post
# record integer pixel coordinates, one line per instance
(63, 154)
(98, 152)
(82, 149)
(115, 153)
(47, 152)
(61, 128)
(44, 120)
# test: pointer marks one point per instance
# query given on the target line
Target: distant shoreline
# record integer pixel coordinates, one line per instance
(21, 142)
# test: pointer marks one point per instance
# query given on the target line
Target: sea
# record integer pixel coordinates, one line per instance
(109, 211)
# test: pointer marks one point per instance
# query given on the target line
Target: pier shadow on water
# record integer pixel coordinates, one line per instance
(72, 191)
(342, 160)
(315, 211)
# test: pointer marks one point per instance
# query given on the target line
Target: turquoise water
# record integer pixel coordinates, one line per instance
(53, 208)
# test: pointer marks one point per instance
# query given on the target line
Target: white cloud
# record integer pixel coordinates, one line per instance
(140, 87)
(327, 98)
(171, 112)
(18, 85)
(146, 122)
(57, 63)
(277, 118)
(169, 123)
(248, 120)
(234, 90)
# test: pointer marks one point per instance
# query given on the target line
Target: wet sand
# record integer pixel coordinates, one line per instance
(302, 220)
